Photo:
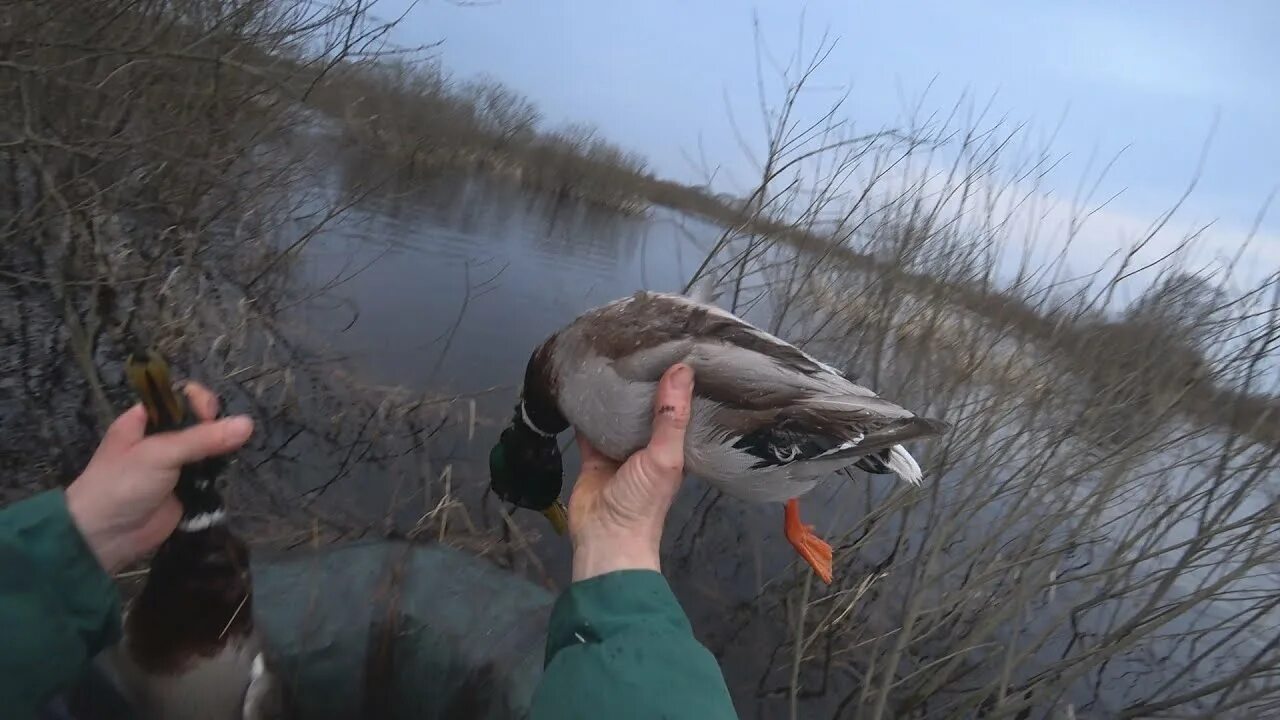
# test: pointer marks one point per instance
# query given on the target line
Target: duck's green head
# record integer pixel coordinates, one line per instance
(526, 469)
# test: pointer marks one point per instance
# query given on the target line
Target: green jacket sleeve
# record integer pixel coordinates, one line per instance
(58, 608)
(618, 647)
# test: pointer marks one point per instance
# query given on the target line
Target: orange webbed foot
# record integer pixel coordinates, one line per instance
(812, 548)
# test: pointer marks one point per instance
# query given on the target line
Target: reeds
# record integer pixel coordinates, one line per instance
(414, 115)
(1097, 535)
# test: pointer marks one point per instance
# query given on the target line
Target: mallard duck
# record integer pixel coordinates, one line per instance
(190, 650)
(768, 421)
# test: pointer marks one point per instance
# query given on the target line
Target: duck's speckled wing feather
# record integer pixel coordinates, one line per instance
(646, 330)
(776, 402)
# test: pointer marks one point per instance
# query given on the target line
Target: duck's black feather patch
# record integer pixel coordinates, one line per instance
(786, 442)
(876, 463)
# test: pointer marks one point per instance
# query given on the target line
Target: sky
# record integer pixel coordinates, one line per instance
(1156, 79)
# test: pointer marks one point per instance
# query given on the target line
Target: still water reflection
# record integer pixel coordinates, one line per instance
(454, 285)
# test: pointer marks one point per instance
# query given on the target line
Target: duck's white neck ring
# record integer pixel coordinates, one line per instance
(524, 415)
(203, 521)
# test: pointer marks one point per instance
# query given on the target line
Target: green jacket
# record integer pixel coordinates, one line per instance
(58, 607)
(618, 646)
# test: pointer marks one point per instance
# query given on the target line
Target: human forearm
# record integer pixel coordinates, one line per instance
(595, 559)
(57, 605)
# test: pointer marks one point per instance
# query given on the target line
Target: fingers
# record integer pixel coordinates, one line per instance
(207, 439)
(130, 428)
(126, 431)
(671, 416)
(203, 401)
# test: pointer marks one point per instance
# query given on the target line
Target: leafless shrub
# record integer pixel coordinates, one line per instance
(415, 114)
(1097, 537)
(158, 183)
(500, 111)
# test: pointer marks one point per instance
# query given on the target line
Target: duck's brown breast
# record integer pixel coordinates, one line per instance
(197, 599)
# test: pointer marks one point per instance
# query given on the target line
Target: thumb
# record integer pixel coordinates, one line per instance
(671, 417)
(207, 439)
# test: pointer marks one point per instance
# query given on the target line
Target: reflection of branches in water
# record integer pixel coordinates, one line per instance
(469, 293)
(323, 290)
(448, 337)
(702, 513)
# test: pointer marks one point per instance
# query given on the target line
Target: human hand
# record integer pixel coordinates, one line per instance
(616, 513)
(123, 502)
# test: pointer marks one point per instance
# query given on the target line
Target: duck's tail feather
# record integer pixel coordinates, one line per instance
(882, 452)
(904, 466)
(894, 459)
(898, 433)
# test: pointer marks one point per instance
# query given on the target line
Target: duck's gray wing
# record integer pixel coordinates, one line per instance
(645, 334)
(775, 402)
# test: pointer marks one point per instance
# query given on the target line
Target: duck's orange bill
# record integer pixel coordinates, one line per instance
(559, 517)
(812, 548)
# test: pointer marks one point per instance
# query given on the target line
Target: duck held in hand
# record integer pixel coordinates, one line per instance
(768, 420)
(190, 649)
